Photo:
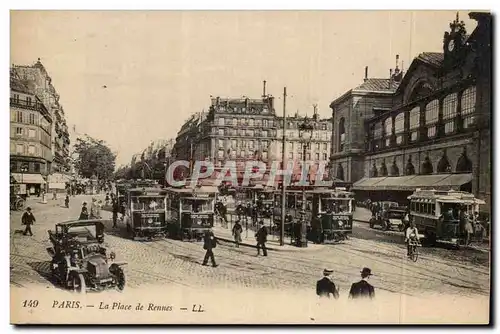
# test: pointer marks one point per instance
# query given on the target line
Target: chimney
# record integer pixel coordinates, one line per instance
(390, 78)
(264, 89)
(366, 73)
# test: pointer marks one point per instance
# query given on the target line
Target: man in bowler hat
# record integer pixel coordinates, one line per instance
(325, 286)
(28, 219)
(362, 289)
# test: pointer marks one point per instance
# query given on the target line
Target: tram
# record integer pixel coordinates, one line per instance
(146, 213)
(190, 211)
(436, 214)
(328, 213)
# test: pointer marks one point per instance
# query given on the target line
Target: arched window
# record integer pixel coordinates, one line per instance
(410, 169)
(394, 168)
(450, 107)
(427, 166)
(341, 134)
(399, 127)
(340, 172)
(373, 170)
(431, 117)
(443, 164)
(469, 106)
(414, 123)
(383, 169)
(464, 165)
(377, 135)
(388, 131)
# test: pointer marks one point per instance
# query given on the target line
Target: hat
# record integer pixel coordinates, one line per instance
(366, 272)
(28, 209)
(327, 272)
(84, 203)
(261, 222)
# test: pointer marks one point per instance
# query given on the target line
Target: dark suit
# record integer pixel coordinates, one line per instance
(28, 219)
(209, 242)
(325, 287)
(362, 289)
(261, 240)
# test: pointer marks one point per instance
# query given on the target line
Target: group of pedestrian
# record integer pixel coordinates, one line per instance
(326, 288)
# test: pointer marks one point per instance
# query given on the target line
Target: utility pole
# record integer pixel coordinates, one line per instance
(283, 183)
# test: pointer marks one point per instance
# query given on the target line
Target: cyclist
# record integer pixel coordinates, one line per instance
(411, 235)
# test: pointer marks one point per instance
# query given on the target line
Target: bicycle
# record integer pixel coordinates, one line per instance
(414, 244)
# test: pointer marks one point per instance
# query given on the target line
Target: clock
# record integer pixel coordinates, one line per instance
(451, 45)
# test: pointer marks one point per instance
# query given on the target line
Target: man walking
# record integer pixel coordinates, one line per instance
(116, 208)
(362, 289)
(261, 237)
(28, 219)
(237, 230)
(325, 286)
(209, 243)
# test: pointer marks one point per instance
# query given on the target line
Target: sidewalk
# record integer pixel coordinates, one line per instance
(248, 239)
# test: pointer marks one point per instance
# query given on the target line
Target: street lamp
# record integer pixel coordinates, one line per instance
(306, 129)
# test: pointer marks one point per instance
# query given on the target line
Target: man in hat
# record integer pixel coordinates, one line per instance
(261, 237)
(325, 286)
(237, 230)
(209, 243)
(362, 289)
(28, 219)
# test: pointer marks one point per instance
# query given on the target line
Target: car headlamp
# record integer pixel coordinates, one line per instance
(341, 223)
(150, 221)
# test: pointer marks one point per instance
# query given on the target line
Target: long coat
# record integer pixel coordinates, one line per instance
(325, 287)
(261, 235)
(362, 289)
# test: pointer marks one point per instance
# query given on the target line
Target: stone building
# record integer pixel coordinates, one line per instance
(37, 79)
(30, 137)
(437, 132)
(318, 150)
(349, 112)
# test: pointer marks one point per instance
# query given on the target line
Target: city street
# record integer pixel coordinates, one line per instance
(171, 262)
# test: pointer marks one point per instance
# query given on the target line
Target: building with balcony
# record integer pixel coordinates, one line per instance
(30, 137)
(37, 79)
(436, 134)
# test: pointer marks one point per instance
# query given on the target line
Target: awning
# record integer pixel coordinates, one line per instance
(412, 182)
(28, 178)
(367, 183)
(455, 180)
(395, 183)
(57, 185)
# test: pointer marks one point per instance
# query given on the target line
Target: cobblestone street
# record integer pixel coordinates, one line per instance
(172, 262)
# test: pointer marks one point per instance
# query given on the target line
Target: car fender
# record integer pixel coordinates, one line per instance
(119, 263)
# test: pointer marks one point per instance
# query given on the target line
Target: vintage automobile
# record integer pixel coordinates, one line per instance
(146, 213)
(390, 216)
(79, 260)
(17, 196)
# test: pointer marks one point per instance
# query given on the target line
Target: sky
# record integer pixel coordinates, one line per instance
(131, 77)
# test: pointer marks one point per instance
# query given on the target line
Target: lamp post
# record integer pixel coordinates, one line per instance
(306, 129)
(24, 169)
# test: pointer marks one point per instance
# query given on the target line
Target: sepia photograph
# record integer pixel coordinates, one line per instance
(250, 167)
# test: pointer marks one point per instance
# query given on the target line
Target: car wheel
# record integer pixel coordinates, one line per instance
(78, 283)
(372, 223)
(120, 276)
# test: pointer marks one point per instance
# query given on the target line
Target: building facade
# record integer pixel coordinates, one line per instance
(30, 137)
(349, 113)
(437, 132)
(319, 147)
(37, 79)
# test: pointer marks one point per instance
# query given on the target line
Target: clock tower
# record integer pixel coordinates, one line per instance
(454, 41)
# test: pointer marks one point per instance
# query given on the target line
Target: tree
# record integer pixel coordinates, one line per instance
(94, 159)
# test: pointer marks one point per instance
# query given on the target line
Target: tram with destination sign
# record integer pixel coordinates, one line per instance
(328, 213)
(437, 214)
(146, 211)
(190, 211)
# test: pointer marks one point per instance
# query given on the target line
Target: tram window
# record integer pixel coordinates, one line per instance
(433, 209)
